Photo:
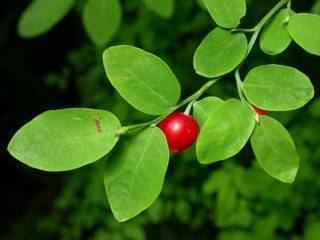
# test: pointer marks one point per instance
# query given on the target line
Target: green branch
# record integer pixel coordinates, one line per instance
(263, 21)
(256, 31)
(191, 99)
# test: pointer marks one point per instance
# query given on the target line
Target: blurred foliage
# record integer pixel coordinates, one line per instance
(232, 200)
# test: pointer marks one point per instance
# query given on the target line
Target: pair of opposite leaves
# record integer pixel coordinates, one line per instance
(302, 27)
(221, 51)
(101, 18)
(226, 128)
(60, 140)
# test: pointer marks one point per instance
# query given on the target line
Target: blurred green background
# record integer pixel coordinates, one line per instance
(231, 200)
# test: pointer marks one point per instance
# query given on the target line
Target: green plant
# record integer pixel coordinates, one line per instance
(66, 139)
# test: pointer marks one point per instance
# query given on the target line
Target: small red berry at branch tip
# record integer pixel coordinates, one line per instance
(260, 112)
(180, 129)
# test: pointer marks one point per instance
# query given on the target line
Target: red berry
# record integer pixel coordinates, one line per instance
(180, 129)
(260, 112)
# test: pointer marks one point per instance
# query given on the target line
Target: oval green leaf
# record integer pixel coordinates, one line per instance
(142, 79)
(226, 14)
(304, 29)
(275, 150)
(275, 37)
(219, 53)
(225, 132)
(163, 8)
(135, 173)
(41, 15)
(277, 88)
(60, 140)
(101, 20)
(202, 109)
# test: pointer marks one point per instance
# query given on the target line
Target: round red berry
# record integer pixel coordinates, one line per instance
(260, 112)
(180, 129)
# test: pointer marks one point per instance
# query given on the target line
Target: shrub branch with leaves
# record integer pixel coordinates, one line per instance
(60, 140)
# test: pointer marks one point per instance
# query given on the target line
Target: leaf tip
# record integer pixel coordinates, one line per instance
(120, 218)
(290, 177)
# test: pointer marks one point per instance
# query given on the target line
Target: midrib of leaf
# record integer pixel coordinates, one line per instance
(277, 153)
(234, 123)
(150, 88)
(272, 87)
(93, 134)
(275, 38)
(220, 52)
(235, 119)
(136, 169)
(282, 28)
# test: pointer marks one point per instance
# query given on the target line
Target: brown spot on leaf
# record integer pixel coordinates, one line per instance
(97, 123)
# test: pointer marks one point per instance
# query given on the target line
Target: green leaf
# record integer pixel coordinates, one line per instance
(60, 140)
(42, 15)
(226, 205)
(135, 173)
(225, 132)
(216, 182)
(203, 108)
(226, 14)
(277, 88)
(266, 226)
(304, 29)
(142, 79)
(238, 215)
(101, 20)
(163, 8)
(254, 183)
(275, 37)
(275, 150)
(219, 53)
(312, 231)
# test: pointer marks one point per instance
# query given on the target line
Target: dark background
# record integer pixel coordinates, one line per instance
(63, 69)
